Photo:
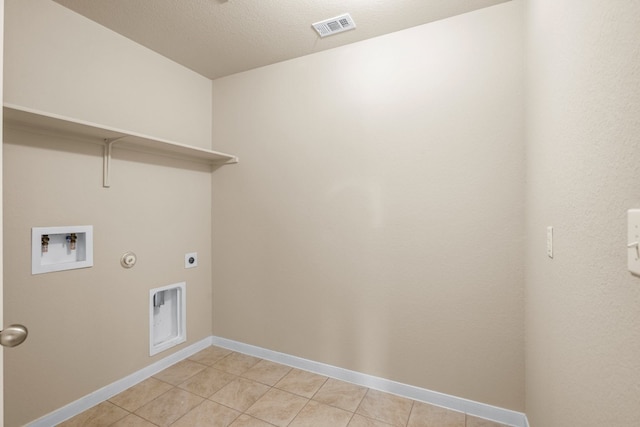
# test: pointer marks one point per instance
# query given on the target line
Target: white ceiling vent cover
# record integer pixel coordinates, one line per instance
(336, 25)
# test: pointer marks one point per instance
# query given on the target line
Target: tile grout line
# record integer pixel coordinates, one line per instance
(355, 411)
(173, 387)
(240, 375)
(208, 398)
(191, 410)
(309, 399)
(177, 387)
(413, 404)
(503, 417)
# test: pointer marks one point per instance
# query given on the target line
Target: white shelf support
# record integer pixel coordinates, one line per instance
(28, 119)
(106, 161)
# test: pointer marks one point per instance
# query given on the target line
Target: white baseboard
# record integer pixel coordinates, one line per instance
(500, 415)
(105, 393)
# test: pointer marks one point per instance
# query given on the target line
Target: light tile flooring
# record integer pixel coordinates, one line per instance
(219, 388)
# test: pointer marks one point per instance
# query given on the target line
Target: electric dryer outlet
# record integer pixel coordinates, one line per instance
(191, 260)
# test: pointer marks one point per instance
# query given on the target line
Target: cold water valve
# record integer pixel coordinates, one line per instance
(71, 240)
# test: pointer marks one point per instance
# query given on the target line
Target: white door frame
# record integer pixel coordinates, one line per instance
(1, 210)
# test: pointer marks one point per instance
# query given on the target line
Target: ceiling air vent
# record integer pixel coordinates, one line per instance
(336, 25)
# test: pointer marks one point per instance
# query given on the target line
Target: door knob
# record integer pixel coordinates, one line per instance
(13, 335)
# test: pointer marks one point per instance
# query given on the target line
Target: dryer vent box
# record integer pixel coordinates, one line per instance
(167, 317)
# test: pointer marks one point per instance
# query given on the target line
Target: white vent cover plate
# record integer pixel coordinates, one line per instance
(336, 25)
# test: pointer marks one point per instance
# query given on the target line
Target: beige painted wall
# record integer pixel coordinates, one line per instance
(583, 163)
(60, 62)
(89, 327)
(375, 220)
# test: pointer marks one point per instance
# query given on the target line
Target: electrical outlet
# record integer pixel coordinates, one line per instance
(191, 260)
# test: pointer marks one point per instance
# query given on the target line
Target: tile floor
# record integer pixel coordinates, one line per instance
(218, 387)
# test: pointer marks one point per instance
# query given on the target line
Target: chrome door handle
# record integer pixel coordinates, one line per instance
(13, 335)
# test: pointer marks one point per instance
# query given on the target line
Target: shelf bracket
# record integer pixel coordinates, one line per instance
(106, 160)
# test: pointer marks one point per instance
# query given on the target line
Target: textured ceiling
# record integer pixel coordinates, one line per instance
(220, 37)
